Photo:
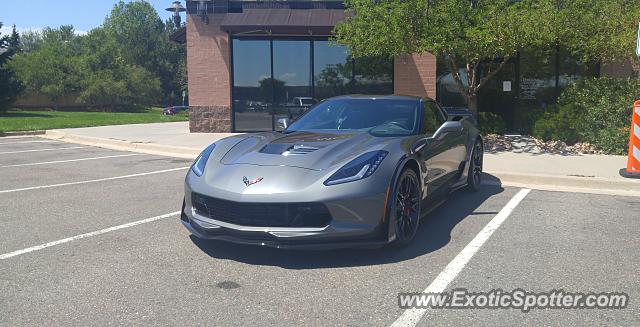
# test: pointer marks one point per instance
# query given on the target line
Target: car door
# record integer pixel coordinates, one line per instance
(438, 155)
(456, 145)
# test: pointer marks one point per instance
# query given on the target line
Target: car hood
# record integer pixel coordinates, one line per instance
(309, 150)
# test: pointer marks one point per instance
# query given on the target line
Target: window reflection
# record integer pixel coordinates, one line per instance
(252, 85)
(273, 79)
(373, 75)
(292, 78)
(332, 69)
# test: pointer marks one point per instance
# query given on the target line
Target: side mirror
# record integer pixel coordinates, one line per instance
(446, 128)
(284, 123)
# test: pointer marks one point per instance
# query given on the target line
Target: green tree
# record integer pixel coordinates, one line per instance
(10, 87)
(144, 38)
(62, 34)
(599, 29)
(53, 69)
(270, 87)
(30, 40)
(109, 80)
(480, 36)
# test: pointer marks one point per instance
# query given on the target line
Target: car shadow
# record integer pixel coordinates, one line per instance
(434, 233)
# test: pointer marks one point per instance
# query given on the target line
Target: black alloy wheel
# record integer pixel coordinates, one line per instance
(474, 178)
(407, 207)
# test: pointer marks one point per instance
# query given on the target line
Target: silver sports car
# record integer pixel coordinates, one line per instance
(353, 171)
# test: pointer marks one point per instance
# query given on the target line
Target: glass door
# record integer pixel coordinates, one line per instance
(291, 79)
(500, 93)
(252, 85)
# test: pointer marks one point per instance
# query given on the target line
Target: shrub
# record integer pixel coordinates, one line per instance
(606, 105)
(558, 123)
(491, 123)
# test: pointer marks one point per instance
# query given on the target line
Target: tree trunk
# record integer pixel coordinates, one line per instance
(472, 102)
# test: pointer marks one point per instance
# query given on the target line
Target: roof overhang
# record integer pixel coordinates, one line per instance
(283, 21)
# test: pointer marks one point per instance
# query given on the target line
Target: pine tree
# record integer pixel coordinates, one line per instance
(10, 87)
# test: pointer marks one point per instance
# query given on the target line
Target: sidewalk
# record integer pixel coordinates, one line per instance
(573, 173)
(553, 172)
(169, 139)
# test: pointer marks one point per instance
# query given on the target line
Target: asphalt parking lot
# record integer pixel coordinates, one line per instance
(92, 237)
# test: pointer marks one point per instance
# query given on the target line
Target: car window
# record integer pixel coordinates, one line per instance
(380, 117)
(432, 118)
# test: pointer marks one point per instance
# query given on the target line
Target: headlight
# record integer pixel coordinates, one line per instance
(201, 160)
(359, 168)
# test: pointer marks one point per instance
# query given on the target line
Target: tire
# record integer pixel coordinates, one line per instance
(405, 211)
(474, 175)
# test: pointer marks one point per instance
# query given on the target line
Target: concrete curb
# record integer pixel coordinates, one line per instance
(25, 133)
(594, 185)
(122, 145)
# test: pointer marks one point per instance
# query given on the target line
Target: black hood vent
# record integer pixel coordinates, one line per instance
(299, 150)
(287, 149)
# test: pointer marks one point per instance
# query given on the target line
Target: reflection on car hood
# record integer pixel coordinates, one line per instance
(310, 150)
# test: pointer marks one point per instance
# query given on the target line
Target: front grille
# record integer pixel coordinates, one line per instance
(262, 214)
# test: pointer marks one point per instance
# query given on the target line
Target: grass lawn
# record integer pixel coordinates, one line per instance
(12, 121)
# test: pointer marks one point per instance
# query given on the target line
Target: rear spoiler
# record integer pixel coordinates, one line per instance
(457, 113)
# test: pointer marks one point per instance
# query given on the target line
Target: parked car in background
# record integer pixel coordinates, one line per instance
(304, 102)
(298, 106)
(170, 111)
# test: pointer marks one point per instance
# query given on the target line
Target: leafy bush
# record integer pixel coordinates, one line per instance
(491, 123)
(605, 111)
(558, 123)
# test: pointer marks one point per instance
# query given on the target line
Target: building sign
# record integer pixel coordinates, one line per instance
(506, 86)
(638, 42)
(529, 87)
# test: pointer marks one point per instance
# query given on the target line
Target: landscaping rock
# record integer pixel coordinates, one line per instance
(528, 144)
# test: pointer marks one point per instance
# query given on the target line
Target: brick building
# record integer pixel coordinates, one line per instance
(252, 62)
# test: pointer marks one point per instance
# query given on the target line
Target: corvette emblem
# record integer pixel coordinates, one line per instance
(248, 182)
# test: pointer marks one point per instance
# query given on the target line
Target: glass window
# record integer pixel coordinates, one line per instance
(283, 78)
(291, 78)
(432, 118)
(373, 75)
(252, 85)
(332, 68)
(447, 90)
(379, 117)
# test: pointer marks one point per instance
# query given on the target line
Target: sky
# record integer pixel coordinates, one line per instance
(82, 14)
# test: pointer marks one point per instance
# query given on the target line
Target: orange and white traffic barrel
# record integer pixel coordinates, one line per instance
(633, 163)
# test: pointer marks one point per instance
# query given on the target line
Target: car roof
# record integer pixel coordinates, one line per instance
(386, 97)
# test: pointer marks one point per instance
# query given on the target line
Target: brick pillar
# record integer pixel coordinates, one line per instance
(415, 75)
(208, 65)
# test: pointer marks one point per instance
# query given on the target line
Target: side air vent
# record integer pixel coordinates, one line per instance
(297, 150)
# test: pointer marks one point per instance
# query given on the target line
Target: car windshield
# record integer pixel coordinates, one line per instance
(380, 117)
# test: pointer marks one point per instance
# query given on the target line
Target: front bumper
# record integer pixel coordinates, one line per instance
(358, 220)
(213, 232)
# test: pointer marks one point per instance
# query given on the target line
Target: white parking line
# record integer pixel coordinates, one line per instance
(411, 317)
(81, 236)
(40, 150)
(72, 160)
(23, 142)
(92, 181)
